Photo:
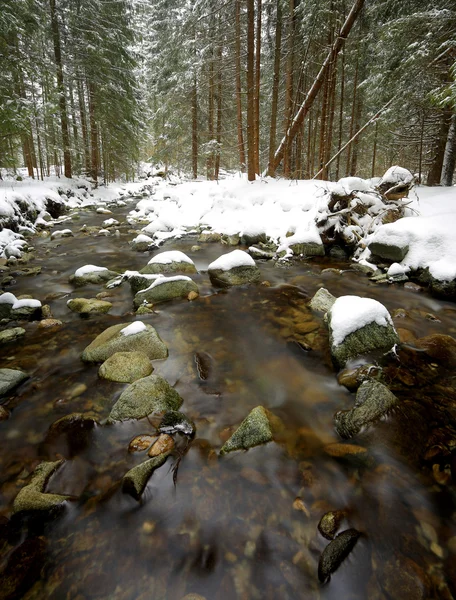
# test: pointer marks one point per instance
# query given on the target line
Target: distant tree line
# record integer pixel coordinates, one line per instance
(296, 88)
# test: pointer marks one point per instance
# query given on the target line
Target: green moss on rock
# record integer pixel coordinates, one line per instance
(32, 496)
(135, 480)
(259, 427)
(126, 367)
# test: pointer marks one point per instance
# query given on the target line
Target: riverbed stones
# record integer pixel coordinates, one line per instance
(164, 289)
(358, 326)
(330, 523)
(11, 335)
(9, 379)
(91, 274)
(141, 243)
(336, 552)
(209, 236)
(112, 340)
(126, 367)
(259, 427)
(392, 252)
(307, 249)
(89, 305)
(234, 268)
(163, 444)
(322, 301)
(135, 480)
(176, 422)
(33, 498)
(149, 395)
(373, 401)
(169, 262)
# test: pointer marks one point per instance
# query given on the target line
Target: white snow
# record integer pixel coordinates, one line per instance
(396, 269)
(30, 303)
(110, 223)
(160, 279)
(396, 175)
(141, 238)
(165, 258)
(237, 258)
(350, 313)
(8, 298)
(133, 328)
(88, 269)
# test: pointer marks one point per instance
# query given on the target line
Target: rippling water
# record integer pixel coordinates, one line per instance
(228, 527)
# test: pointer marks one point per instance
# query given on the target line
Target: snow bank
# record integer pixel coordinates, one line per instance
(350, 313)
(237, 258)
(133, 328)
(165, 258)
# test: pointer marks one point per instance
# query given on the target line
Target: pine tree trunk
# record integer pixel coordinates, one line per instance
(374, 153)
(210, 120)
(353, 115)
(420, 163)
(355, 145)
(250, 90)
(195, 128)
(94, 144)
(61, 90)
(435, 171)
(341, 111)
(85, 134)
(275, 83)
(323, 122)
(240, 132)
(449, 161)
(289, 88)
(219, 112)
(257, 88)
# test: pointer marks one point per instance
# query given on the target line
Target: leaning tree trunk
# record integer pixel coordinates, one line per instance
(449, 160)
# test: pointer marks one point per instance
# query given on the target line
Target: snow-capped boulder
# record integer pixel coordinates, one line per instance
(169, 262)
(396, 183)
(61, 233)
(126, 337)
(358, 326)
(141, 242)
(164, 288)
(13, 308)
(234, 268)
(91, 274)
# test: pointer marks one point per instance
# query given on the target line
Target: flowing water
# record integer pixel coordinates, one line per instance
(244, 525)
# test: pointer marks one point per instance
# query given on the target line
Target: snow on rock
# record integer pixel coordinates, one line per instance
(27, 302)
(135, 327)
(350, 313)
(61, 233)
(162, 279)
(142, 239)
(110, 223)
(396, 175)
(236, 258)
(8, 298)
(86, 269)
(396, 269)
(165, 258)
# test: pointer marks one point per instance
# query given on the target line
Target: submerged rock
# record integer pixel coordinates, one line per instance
(358, 326)
(89, 305)
(169, 262)
(259, 427)
(322, 301)
(330, 523)
(32, 496)
(148, 395)
(164, 443)
(373, 401)
(112, 340)
(164, 289)
(4, 413)
(126, 367)
(135, 480)
(141, 443)
(234, 268)
(23, 568)
(10, 335)
(9, 379)
(336, 552)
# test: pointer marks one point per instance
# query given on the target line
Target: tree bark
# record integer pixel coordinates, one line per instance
(289, 88)
(219, 112)
(210, 120)
(353, 114)
(449, 161)
(341, 111)
(257, 88)
(435, 171)
(316, 86)
(61, 90)
(195, 127)
(250, 89)
(94, 144)
(275, 82)
(240, 132)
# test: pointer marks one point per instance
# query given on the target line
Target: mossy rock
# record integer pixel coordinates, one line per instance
(135, 480)
(10, 379)
(259, 427)
(93, 278)
(11, 335)
(126, 367)
(322, 301)
(235, 276)
(149, 395)
(167, 289)
(112, 340)
(392, 252)
(89, 305)
(32, 496)
(174, 266)
(308, 249)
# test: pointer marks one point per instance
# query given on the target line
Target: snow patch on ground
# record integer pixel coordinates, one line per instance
(350, 313)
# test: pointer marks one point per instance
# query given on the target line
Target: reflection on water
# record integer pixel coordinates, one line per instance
(245, 525)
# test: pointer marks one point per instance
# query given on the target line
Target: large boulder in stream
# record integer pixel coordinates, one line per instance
(86, 306)
(373, 401)
(33, 498)
(259, 427)
(164, 289)
(172, 261)
(235, 268)
(126, 337)
(144, 397)
(126, 367)
(91, 274)
(358, 326)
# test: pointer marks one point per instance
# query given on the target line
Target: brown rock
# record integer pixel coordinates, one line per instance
(4, 413)
(403, 579)
(164, 443)
(49, 323)
(439, 347)
(192, 296)
(298, 504)
(141, 443)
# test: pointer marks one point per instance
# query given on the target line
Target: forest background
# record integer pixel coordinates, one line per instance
(93, 87)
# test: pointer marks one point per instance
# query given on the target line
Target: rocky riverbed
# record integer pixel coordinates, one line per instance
(190, 431)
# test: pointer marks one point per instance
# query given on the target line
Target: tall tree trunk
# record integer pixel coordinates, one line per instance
(61, 90)
(449, 161)
(219, 112)
(250, 90)
(94, 144)
(316, 86)
(85, 134)
(289, 87)
(420, 163)
(275, 82)
(438, 152)
(257, 88)
(195, 127)
(355, 146)
(341, 111)
(323, 123)
(353, 114)
(240, 132)
(374, 153)
(210, 120)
